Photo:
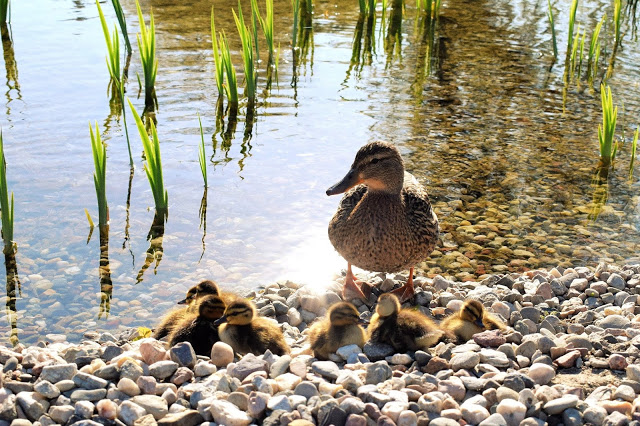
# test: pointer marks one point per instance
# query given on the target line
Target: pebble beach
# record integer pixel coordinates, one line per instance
(571, 355)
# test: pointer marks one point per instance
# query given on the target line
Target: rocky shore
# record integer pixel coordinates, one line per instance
(571, 356)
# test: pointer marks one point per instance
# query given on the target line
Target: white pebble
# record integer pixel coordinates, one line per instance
(541, 373)
(512, 411)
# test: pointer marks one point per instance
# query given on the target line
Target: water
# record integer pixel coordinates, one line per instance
(477, 113)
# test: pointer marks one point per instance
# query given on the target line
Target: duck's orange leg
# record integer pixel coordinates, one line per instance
(357, 287)
(407, 291)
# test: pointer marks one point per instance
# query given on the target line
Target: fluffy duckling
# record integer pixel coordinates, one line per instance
(471, 319)
(195, 293)
(338, 328)
(200, 329)
(245, 332)
(404, 329)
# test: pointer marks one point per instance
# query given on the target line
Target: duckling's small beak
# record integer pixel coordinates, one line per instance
(349, 181)
(220, 320)
(479, 322)
(363, 322)
(183, 301)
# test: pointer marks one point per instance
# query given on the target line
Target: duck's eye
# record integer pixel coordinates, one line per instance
(375, 160)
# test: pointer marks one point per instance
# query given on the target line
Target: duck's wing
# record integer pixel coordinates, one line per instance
(418, 208)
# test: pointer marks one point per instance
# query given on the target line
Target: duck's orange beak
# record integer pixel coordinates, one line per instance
(349, 181)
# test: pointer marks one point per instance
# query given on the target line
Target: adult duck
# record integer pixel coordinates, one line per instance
(384, 222)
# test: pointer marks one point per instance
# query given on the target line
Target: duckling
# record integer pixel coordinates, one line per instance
(200, 329)
(203, 288)
(245, 332)
(338, 328)
(471, 319)
(385, 222)
(404, 329)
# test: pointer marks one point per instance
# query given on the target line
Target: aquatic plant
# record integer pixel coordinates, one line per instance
(231, 86)
(617, 8)
(553, 30)
(606, 131)
(594, 53)
(113, 54)
(5, 15)
(296, 17)
(123, 24)
(147, 46)
(153, 167)
(6, 205)
(100, 174)
(250, 75)
(634, 144)
(113, 65)
(266, 24)
(219, 74)
(201, 154)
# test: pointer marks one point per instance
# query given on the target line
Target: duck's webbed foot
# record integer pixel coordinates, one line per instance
(407, 291)
(355, 288)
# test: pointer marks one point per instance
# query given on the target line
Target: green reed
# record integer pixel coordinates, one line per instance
(153, 167)
(250, 77)
(123, 23)
(266, 24)
(594, 53)
(553, 30)
(617, 12)
(634, 144)
(99, 150)
(201, 154)
(113, 54)
(572, 20)
(296, 16)
(113, 65)
(147, 46)
(231, 86)
(217, 57)
(5, 11)
(6, 205)
(255, 18)
(606, 131)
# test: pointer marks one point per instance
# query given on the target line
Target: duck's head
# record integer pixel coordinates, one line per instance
(472, 311)
(343, 313)
(388, 304)
(377, 165)
(202, 289)
(211, 307)
(240, 312)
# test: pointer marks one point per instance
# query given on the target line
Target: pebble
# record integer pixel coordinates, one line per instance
(221, 354)
(541, 373)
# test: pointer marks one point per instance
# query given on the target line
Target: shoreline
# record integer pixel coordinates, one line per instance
(571, 355)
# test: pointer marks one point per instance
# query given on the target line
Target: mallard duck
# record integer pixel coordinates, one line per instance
(245, 332)
(385, 222)
(338, 328)
(203, 288)
(471, 319)
(200, 329)
(404, 329)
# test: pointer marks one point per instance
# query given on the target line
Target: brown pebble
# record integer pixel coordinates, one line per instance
(617, 362)
(435, 364)
(568, 360)
(623, 407)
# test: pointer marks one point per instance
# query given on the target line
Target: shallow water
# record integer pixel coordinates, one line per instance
(481, 123)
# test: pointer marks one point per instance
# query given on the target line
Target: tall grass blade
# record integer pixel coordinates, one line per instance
(266, 24)
(570, 42)
(147, 46)
(617, 8)
(296, 16)
(6, 204)
(634, 144)
(5, 11)
(153, 168)
(606, 131)
(217, 57)
(123, 24)
(201, 154)
(113, 54)
(255, 18)
(553, 30)
(100, 174)
(231, 86)
(247, 56)
(594, 52)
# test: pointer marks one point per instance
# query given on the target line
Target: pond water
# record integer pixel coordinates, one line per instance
(476, 107)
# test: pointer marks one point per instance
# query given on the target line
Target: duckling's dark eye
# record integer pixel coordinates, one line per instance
(374, 161)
